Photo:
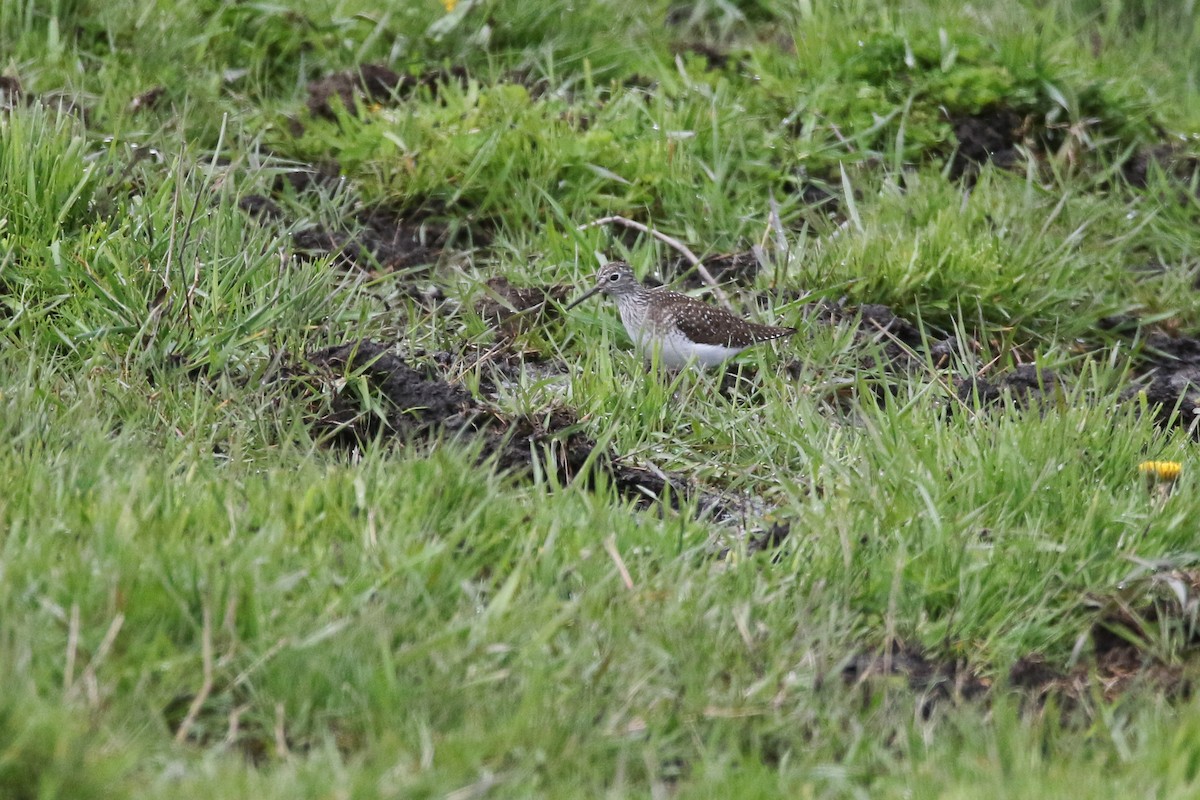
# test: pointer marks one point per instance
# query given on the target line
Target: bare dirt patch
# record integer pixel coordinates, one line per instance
(993, 135)
(1024, 385)
(512, 310)
(1165, 375)
(740, 268)
(1168, 157)
(1147, 631)
(936, 680)
(410, 403)
(11, 92)
(377, 241)
(1003, 136)
(1146, 635)
(374, 83)
(374, 238)
(1167, 380)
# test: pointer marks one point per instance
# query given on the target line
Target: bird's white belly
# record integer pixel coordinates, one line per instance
(674, 350)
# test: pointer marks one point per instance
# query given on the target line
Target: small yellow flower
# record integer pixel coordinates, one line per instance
(449, 4)
(1167, 471)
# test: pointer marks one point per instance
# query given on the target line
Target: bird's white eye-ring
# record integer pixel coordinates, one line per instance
(616, 276)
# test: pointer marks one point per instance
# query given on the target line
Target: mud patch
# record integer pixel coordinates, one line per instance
(1146, 635)
(147, 100)
(326, 177)
(416, 401)
(1167, 381)
(1167, 158)
(377, 241)
(934, 680)
(1165, 376)
(360, 391)
(903, 347)
(1002, 135)
(11, 93)
(512, 310)
(374, 239)
(993, 135)
(1024, 385)
(741, 268)
(261, 208)
(771, 536)
(817, 195)
(1148, 629)
(374, 83)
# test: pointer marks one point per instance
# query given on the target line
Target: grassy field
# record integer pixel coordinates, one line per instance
(294, 505)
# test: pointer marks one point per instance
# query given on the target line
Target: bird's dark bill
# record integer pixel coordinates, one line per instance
(583, 297)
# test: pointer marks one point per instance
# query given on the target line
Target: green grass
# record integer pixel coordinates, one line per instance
(200, 596)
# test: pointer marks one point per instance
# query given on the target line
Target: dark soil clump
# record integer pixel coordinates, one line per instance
(1124, 652)
(903, 344)
(415, 400)
(147, 100)
(816, 195)
(375, 239)
(1025, 384)
(1166, 376)
(1167, 381)
(11, 93)
(1173, 397)
(989, 136)
(374, 83)
(513, 309)
(413, 403)
(1146, 634)
(379, 245)
(1165, 157)
(936, 680)
(313, 177)
(773, 535)
(260, 207)
(741, 268)
(1143, 614)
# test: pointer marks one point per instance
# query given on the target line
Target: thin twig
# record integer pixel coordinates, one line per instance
(72, 647)
(281, 746)
(486, 358)
(610, 544)
(206, 654)
(89, 672)
(849, 145)
(272, 651)
(235, 719)
(679, 246)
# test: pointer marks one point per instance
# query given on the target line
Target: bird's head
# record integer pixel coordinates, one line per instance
(613, 279)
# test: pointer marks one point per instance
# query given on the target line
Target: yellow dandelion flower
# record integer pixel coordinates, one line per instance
(1167, 471)
(449, 5)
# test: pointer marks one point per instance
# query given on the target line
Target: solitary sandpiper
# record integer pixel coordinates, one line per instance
(677, 328)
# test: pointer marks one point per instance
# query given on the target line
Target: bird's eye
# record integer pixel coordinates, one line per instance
(616, 276)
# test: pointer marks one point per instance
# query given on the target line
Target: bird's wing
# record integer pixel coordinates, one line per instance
(705, 324)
